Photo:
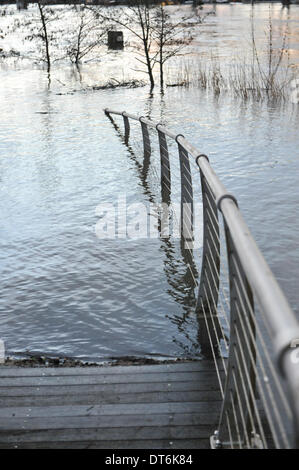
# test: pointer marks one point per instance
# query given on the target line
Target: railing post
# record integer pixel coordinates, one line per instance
(126, 126)
(237, 424)
(146, 148)
(206, 307)
(146, 139)
(290, 368)
(165, 167)
(186, 198)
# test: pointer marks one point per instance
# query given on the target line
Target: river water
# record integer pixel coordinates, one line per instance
(66, 292)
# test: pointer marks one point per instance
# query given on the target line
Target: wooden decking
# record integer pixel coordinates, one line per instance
(147, 407)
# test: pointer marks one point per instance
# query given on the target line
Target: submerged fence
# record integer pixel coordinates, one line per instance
(252, 334)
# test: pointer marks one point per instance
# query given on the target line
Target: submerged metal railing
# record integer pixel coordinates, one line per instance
(253, 336)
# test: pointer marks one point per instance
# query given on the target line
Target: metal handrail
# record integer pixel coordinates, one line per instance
(250, 278)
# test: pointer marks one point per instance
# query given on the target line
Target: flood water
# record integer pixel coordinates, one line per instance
(66, 292)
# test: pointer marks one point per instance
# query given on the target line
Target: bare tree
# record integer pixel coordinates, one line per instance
(44, 35)
(160, 35)
(88, 33)
(170, 36)
(39, 29)
(138, 18)
(275, 57)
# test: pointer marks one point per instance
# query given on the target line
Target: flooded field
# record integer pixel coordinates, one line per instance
(63, 290)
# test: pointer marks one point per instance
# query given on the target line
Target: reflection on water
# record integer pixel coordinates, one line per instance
(63, 291)
(179, 266)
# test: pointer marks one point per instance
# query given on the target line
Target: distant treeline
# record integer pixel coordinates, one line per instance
(103, 2)
(89, 2)
(130, 2)
(59, 2)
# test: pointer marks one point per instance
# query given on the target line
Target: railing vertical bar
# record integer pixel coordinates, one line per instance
(233, 340)
(229, 430)
(186, 199)
(250, 396)
(232, 403)
(126, 126)
(268, 387)
(165, 167)
(212, 349)
(222, 335)
(260, 337)
(215, 285)
(243, 419)
(260, 388)
(146, 139)
(215, 330)
(203, 298)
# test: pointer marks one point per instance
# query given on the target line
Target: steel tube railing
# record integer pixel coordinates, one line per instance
(284, 326)
(255, 411)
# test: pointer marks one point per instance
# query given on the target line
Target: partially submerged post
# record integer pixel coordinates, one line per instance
(21, 4)
(115, 40)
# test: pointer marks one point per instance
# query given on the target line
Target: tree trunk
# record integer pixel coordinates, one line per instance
(46, 39)
(161, 46)
(161, 69)
(148, 63)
